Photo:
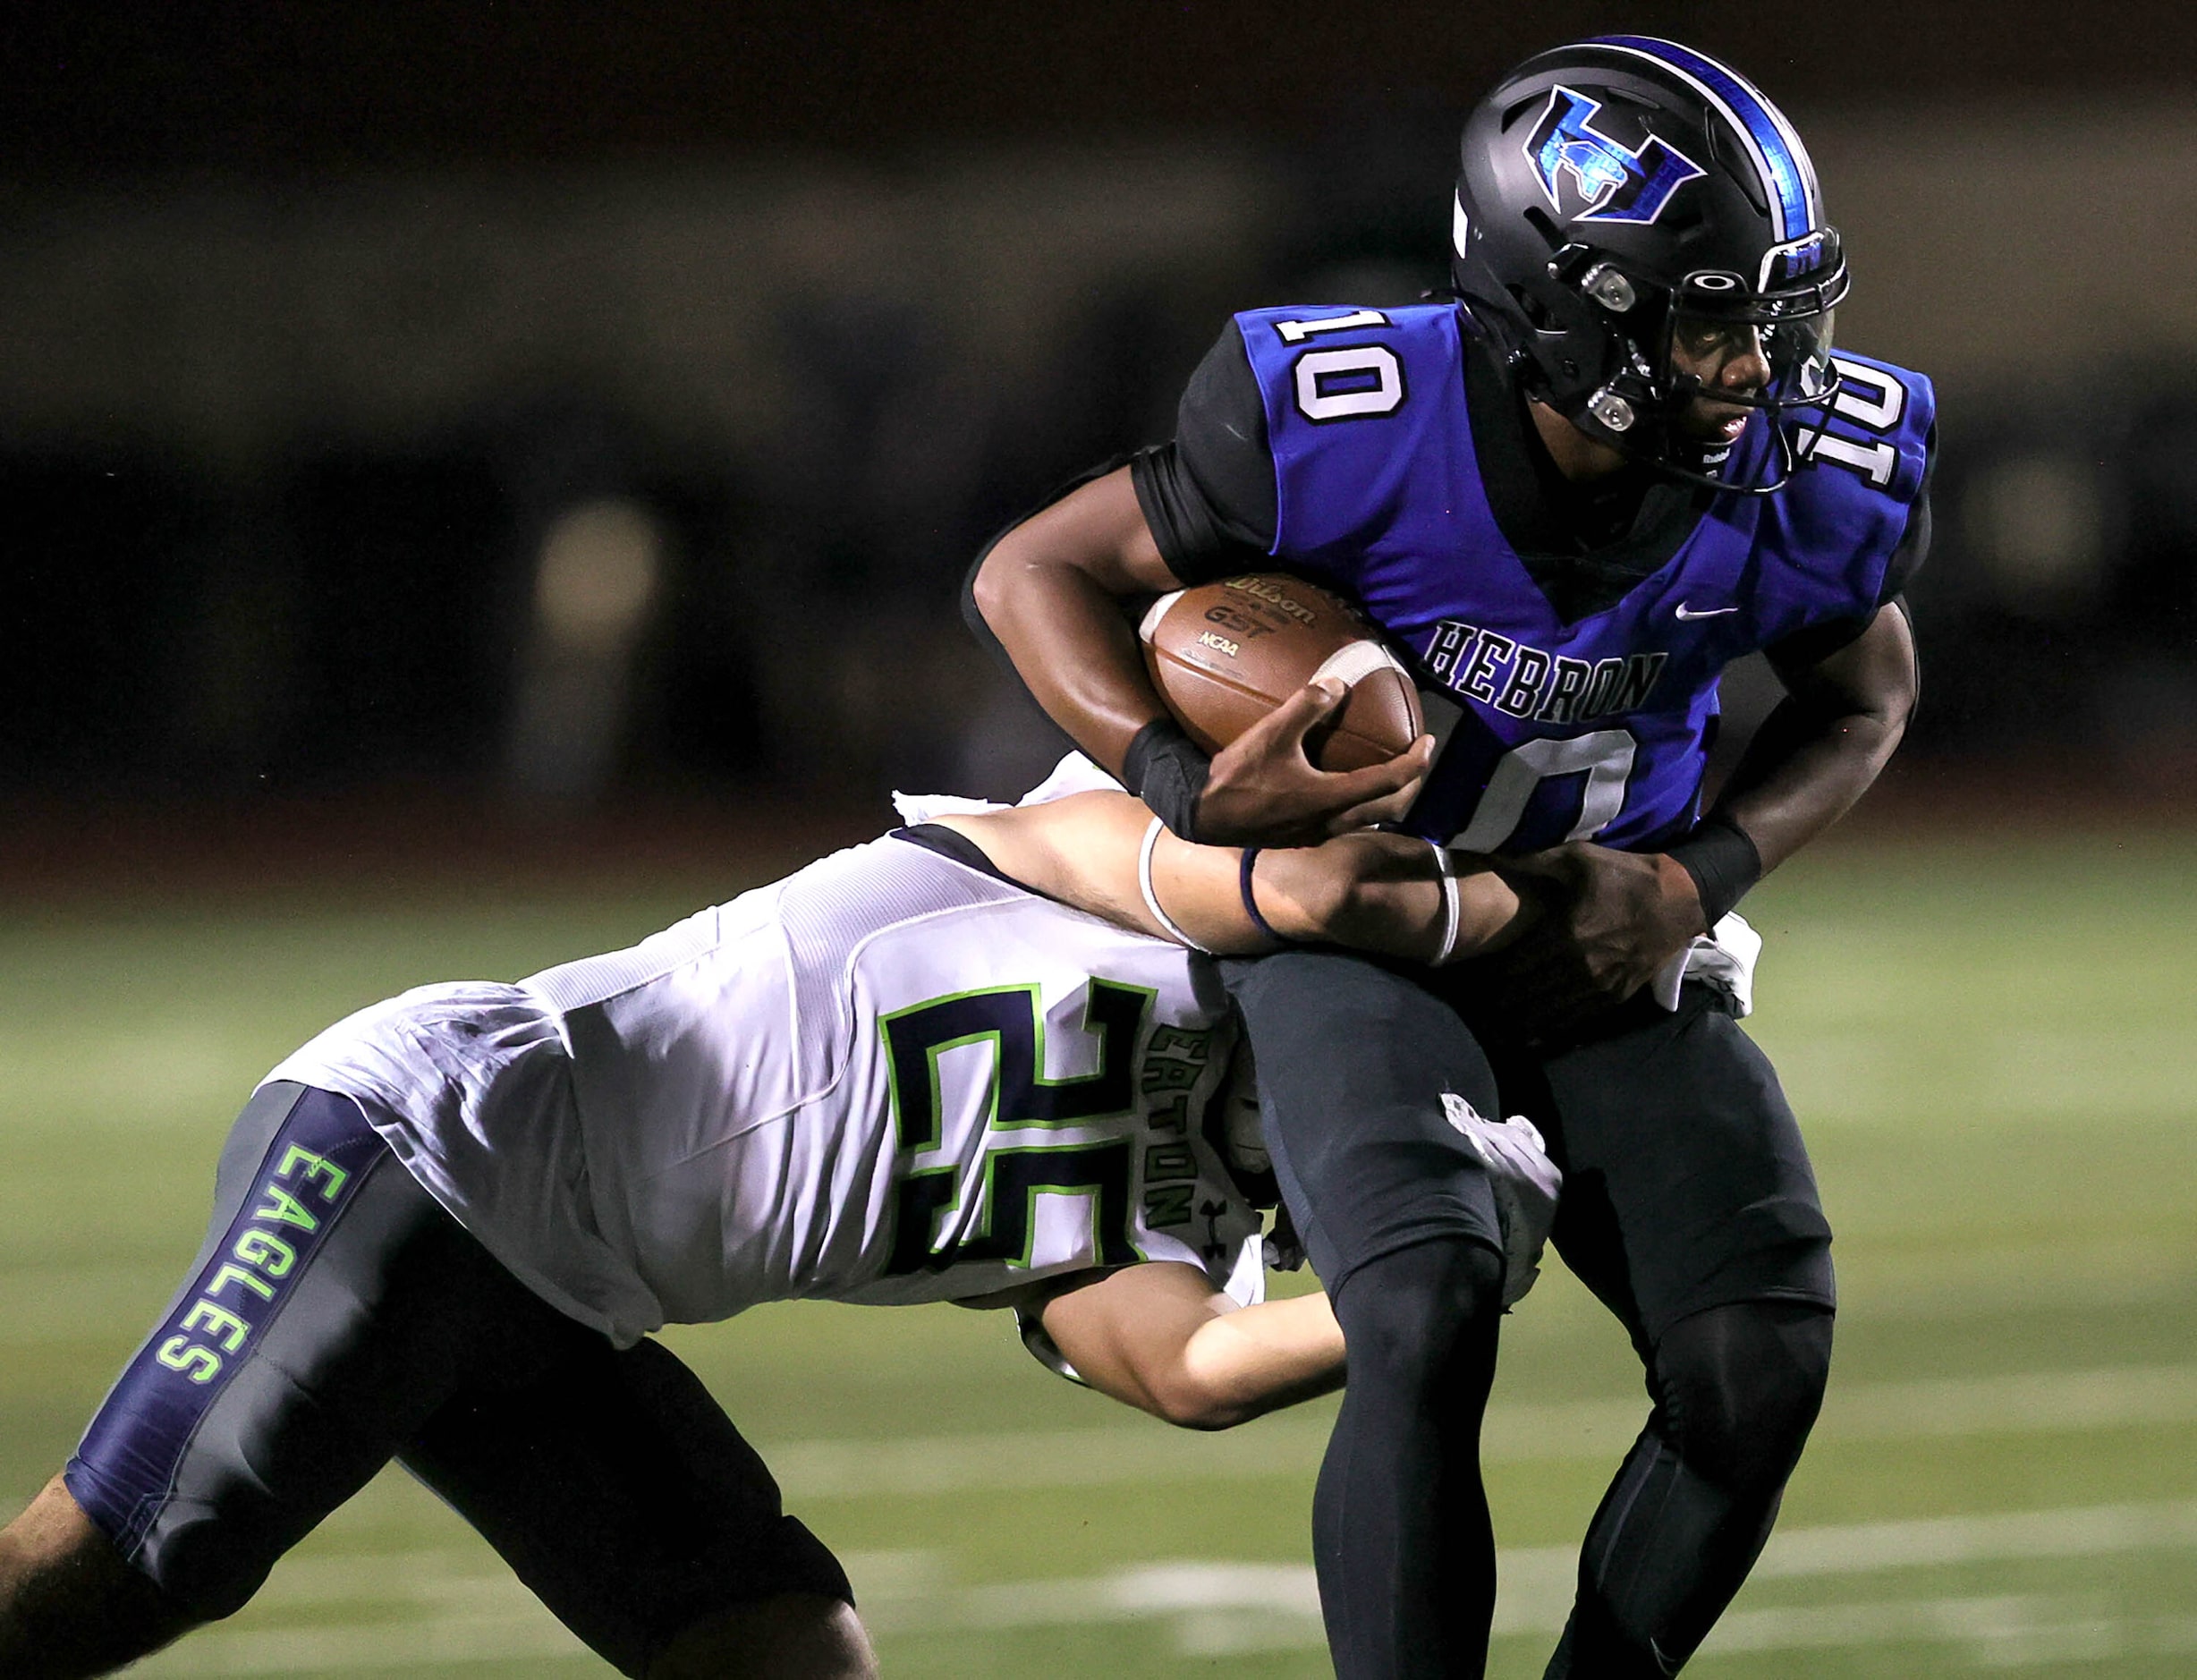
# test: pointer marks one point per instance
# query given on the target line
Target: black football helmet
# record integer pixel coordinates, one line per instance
(1630, 211)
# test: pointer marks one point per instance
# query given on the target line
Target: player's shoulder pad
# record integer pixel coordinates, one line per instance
(1862, 467)
(1324, 320)
(1290, 346)
(1879, 427)
(1365, 420)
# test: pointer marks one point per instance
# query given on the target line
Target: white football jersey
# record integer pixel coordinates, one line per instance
(889, 1078)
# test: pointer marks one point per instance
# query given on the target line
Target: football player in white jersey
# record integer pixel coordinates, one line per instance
(912, 1071)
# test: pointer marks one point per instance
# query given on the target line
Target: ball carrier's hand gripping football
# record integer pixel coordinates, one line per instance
(1224, 655)
(1233, 662)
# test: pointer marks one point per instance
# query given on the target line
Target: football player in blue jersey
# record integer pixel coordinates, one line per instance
(1621, 456)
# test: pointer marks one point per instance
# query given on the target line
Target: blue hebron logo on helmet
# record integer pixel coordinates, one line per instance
(1618, 183)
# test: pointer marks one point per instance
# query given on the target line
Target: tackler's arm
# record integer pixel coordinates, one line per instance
(1383, 893)
(1159, 1336)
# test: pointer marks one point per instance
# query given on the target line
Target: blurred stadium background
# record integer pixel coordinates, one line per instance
(483, 480)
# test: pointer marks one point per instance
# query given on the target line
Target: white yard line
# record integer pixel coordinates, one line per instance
(450, 1612)
(2095, 1530)
(2016, 1632)
(1223, 1608)
(2022, 1404)
(1536, 1580)
(528, 1634)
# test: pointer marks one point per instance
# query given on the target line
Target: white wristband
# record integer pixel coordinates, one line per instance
(1151, 897)
(1452, 907)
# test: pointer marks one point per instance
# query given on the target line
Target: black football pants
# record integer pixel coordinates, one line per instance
(1688, 1208)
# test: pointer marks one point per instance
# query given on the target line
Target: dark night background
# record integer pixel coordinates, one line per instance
(306, 92)
(561, 406)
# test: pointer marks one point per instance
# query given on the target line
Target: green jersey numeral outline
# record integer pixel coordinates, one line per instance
(1018, 1095)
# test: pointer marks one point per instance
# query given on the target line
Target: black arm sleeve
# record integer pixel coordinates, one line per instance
(1208, 497)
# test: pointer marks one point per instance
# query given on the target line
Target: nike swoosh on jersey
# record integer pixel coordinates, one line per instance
(1711, 612)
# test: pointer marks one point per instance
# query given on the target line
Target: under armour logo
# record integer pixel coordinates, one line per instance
(1215, 1251)
(1618, 183)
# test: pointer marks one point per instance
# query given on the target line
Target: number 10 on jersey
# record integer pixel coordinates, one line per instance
(1343, 381)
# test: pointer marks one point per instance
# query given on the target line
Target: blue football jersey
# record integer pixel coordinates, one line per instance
(1599, 728)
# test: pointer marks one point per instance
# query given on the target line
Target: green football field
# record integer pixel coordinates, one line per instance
(1994, 1048)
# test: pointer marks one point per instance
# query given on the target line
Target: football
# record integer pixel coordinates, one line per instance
(1223, 655)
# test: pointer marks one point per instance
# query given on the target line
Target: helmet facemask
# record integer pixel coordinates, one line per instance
(1711, 342)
